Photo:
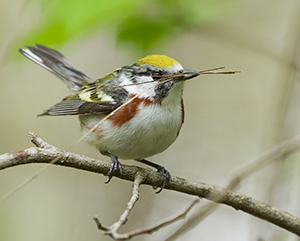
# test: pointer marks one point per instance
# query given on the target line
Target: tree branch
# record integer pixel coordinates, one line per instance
(45, 153)
(272, 154)
(112, 231)
(163, 223)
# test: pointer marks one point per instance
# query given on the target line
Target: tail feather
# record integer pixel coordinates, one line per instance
(57, 64)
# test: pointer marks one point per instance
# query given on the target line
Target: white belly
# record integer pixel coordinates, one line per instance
(152, 130)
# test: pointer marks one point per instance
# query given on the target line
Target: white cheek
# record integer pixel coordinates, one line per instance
(145, 90)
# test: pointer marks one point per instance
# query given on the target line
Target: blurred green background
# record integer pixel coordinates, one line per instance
(229, 118)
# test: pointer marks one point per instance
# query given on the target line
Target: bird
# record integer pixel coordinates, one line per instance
(140, 105)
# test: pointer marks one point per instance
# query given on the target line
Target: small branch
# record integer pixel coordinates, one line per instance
(99, 225)
(38, 142)
(194, 220)
(202, 190)
(112, 231)
(163, 223)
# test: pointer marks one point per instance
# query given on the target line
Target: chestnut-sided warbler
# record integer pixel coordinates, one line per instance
(147, 125)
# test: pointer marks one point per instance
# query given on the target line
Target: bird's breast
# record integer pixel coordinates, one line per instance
(140, 129)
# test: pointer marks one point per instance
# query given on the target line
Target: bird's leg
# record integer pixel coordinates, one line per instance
(165, 175)
(115, 165)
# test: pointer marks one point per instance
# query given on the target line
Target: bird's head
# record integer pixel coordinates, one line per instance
(160, 70)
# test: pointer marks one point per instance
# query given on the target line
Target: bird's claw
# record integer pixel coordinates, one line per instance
(165, 176)
(115, 167)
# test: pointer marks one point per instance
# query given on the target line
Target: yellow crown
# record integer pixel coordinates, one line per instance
(157, 60)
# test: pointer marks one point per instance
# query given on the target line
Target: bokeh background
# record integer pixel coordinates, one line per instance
(229, 118)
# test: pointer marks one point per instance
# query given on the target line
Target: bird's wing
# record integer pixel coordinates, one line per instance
(57, 64)
(79, 107)
(88, 100)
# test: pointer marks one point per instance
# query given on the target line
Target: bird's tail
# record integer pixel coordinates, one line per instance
(57, 64)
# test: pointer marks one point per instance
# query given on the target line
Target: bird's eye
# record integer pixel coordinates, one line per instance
(156, 73)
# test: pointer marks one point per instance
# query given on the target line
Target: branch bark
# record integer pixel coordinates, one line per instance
(45, 153)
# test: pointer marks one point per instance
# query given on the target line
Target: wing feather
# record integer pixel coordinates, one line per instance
(79, 107)
(57, 64)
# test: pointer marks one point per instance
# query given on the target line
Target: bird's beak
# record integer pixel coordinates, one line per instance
(187, 74)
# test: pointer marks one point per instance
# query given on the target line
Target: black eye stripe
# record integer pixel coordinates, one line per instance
(159, 72)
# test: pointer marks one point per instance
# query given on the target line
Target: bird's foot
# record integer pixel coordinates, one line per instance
(115, 166)
(165, 175)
